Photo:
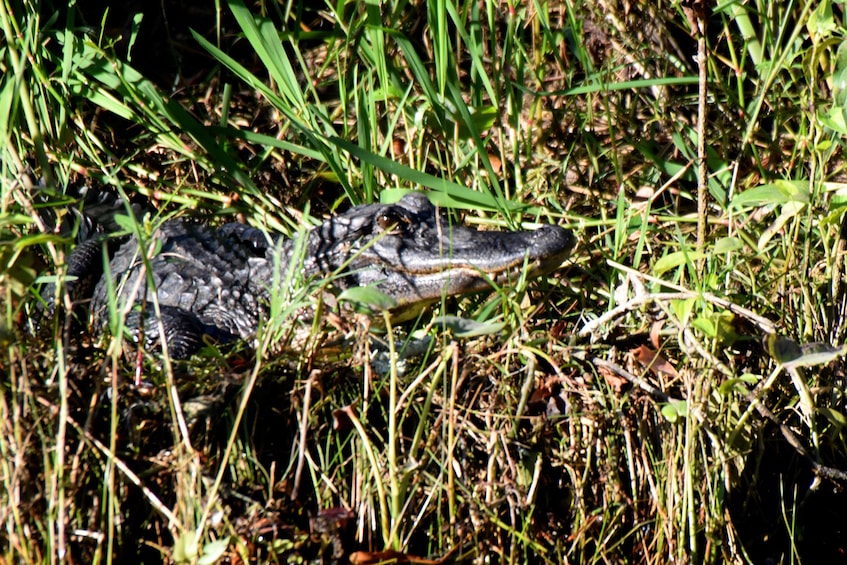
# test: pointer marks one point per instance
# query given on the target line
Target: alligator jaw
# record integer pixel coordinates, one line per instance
(427, 274)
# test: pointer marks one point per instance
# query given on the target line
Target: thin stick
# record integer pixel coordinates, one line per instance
(304, 432)
(702, 169)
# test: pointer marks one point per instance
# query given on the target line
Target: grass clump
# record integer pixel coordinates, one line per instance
(625, 409)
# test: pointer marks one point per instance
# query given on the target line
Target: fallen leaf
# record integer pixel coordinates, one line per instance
(649, 359)
(548, 399)
(342, 419)
(330, 520)
(559, 330)
(496, 163)
(391, 556)
(614, 380)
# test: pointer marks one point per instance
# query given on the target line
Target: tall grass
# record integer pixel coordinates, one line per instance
(625, 410)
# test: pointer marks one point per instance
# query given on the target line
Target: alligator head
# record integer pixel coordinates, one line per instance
(415, 256)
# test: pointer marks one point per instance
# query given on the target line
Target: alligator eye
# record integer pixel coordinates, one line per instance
(390, 221)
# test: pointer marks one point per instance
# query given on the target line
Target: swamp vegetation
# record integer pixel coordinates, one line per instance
(675, 393)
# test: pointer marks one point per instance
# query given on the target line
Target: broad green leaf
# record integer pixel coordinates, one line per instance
(834, 119)
(186, 547)
(463, 327)
(777, 192)
(790, 354)
(838, 189)
(834, 416)
(676, 259)
(728, 244)
(682, 309)
(126, 223)
(839, 79)
(821, 24)
(481, 119)
(726, 334)
(731, 385)
(369, 297)
(719, 326)
(673, 411)
(213, 551)
(789, 210)
(705, 325)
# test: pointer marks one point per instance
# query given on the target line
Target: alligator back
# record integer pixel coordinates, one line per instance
(220, 276)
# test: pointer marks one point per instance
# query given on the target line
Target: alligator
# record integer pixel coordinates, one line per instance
(217, 282)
